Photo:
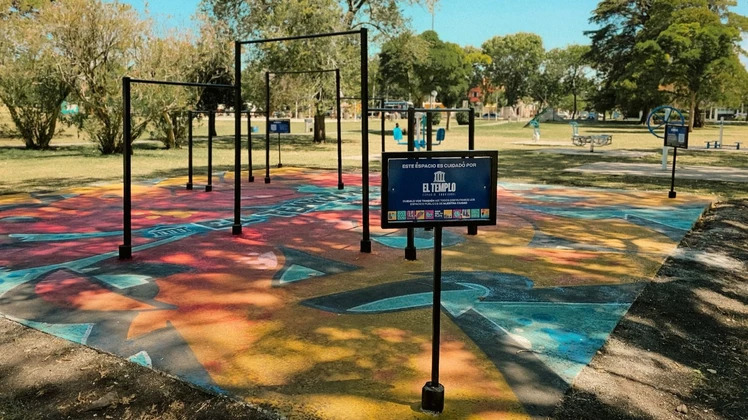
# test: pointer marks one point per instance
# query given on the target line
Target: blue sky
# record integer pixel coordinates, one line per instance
(558, 22)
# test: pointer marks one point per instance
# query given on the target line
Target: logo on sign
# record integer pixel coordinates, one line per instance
(439, 185)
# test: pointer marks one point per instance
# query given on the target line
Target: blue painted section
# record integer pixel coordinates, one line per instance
(123, 281)
(401, 241)
(676, 217)
(299, 272)
(77, 333)
(142, 358)
(565, 336)
(19, 219)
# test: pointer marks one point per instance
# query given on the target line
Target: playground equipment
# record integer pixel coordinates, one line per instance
(593, 140)
(657, 120)
(211, 128)
(269, 112)
(718, 143)
(425, 132)
(125, 250)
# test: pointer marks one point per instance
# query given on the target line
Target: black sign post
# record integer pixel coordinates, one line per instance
(280, 126)
(433, 190)
(676, 136)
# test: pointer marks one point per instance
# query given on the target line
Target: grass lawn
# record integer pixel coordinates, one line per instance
(75, 161)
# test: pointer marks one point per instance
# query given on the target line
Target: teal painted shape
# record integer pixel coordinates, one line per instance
(77, 333)
(142, 358)
(401, 241)
(123, 281)
(454, 301)
(564, 336)
(298, 272)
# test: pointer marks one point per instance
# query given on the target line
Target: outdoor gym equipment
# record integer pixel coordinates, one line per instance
(268, 113)
(593, 140)
(125, 250)
(657, 120)
(211, 128)
(365, 245)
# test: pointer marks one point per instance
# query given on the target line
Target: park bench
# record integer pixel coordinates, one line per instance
(716, 144)
(593, 140)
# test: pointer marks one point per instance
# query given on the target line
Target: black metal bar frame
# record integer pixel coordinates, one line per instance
(125, 250)
(190, 115)
(410, 246)
(337, 113)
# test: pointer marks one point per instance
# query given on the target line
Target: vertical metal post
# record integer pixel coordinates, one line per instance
(211, 120)
(236, 228)
(672, 193)
(381, 116)
(429, 129)
(267, 127)
(340, 130)
(471, 230)
(189, 150)
(432, 394)
(366, 239)
(410, 247)
(280, 165)
(125, 250)
(249, 145)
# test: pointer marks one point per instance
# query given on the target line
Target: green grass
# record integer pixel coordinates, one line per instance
(75, 161)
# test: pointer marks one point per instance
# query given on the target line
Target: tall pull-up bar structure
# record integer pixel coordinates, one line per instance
(125, 250)
(268, 112)
(365, 245)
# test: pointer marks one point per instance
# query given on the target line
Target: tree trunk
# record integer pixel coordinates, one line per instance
(574, 111)
(643, 119)
(691, 111)
(449, 115)
(319, 128)
(698, 121)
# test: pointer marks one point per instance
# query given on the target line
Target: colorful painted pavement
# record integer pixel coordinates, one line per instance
(291, 315)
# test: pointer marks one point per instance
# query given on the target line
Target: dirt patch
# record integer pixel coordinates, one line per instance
(45, 377)
(681, 351)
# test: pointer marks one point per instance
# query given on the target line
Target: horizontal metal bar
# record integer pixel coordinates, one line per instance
(292, 38)
(441, 109)
(303, 71)
(165, 82)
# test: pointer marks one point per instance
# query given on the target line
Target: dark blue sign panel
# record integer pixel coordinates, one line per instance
(676, 136)
(427, 189)
(280, 126)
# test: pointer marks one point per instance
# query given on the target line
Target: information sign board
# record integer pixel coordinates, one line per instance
(280, 126)
(676, 136)
(429, 189)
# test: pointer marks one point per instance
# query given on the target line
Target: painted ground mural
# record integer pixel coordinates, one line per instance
(290, 314)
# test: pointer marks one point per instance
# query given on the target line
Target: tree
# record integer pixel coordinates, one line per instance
(398, 60)
(445, 70)
(575, 78)
(29, 86)
(515, 60)
(649, 51)
(547, 84)
(258, 18)
(700, 50)
(165, 107)
(98, 43)
(480, 64)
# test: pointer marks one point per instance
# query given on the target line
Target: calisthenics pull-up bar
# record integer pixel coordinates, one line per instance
(125, 250)
(268, 112)
(363, 34)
